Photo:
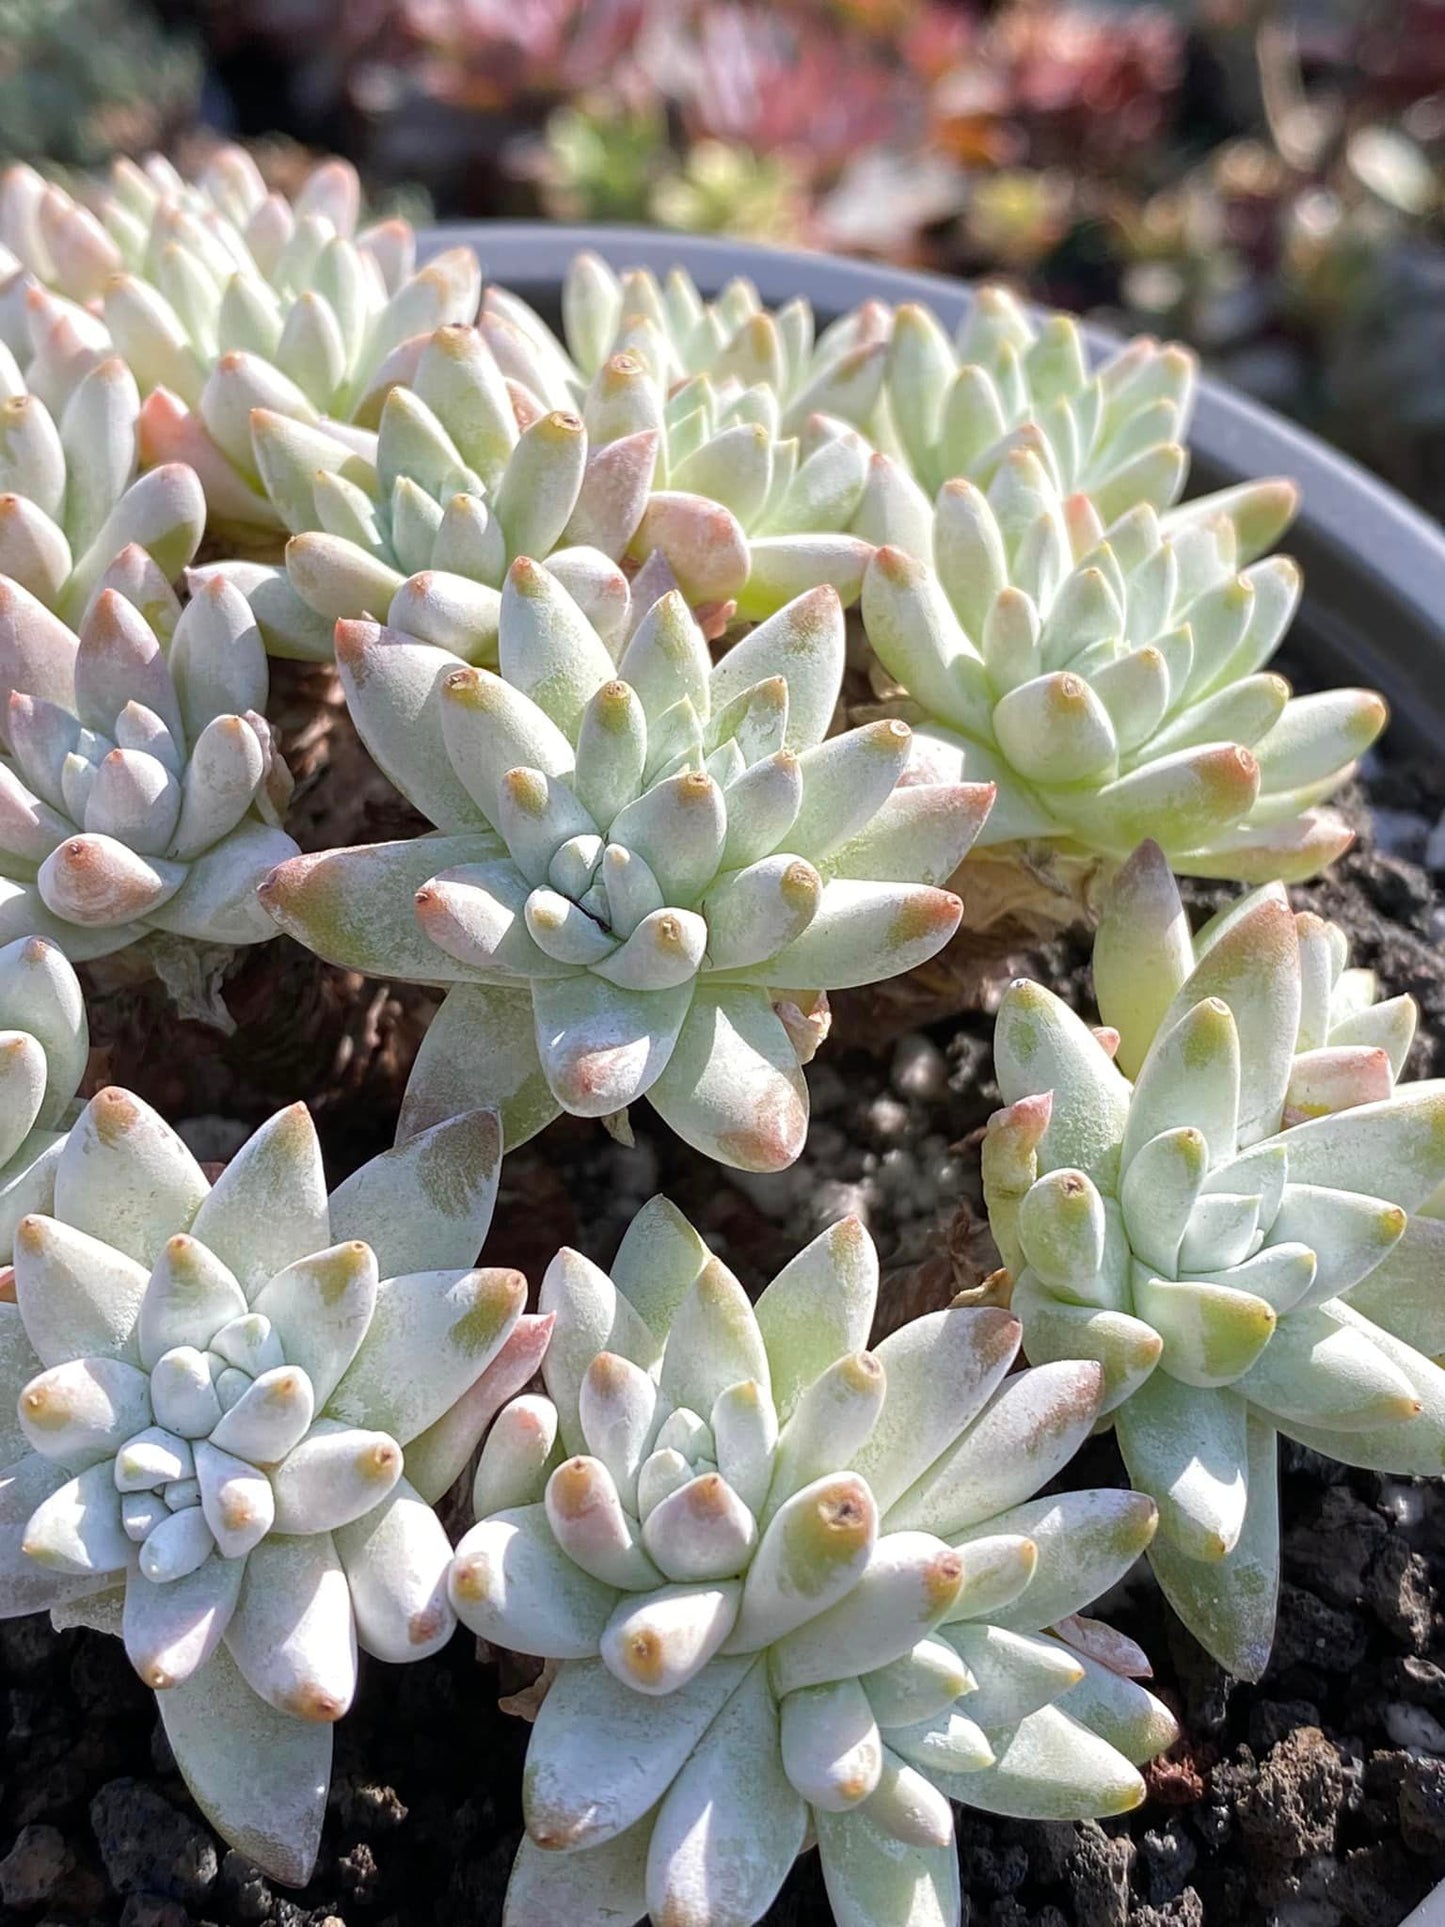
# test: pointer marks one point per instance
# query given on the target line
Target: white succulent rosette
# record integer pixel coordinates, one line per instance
(1011, 381)
(1111, 681)
(140, 787)
(1230, 1235)
(646, 872)
(748, 514)
(228, 1411)
(221, 298)
(795, 1590)
(70, 497)
(44, 1044)
(759, 468)
(452, 493)
(681, 336)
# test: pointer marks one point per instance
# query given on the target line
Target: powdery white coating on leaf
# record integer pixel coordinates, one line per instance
(259, 1776)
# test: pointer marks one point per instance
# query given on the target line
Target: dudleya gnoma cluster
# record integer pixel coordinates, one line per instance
(586, 599)
(1071, 631)
(497, 445)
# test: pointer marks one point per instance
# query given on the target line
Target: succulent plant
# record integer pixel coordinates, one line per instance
(44, 1043)
(70, 499)
(228, 1412)
(223, 298)
(1110, 680)
(795, 1588)
(759, 468)
(453, 492)
(83, 77)
(645, 872)
(1235, 1273)
(1008, 382)
(746, 511)
(839, 372)
(140, 789)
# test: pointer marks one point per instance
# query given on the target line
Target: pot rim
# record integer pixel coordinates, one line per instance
(1374, 565)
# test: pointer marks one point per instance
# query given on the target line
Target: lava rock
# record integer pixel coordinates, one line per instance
(34, 1866)
(1398, 1592)
(144, 1910)
(244, 1889)
(1310, 1633)
(366, 1808)
(1293, 1807)
(1099, 1870)
(1169, 1857)
(1376, 1884)
(1009, 1912)
(1333, 1550)
(1271, 1720)
(1422, 1805)
(1050, 1844)
(46, 1789)
(1186, 1910)
(1420, 1681)
(991, 1865)
(149, 1847)
(356, 1869)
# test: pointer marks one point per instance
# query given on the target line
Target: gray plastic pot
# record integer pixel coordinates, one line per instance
(1374, 600)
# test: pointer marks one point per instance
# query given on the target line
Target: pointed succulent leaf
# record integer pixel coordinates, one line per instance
(268, 1207)
(512, 1583)
(583, 1785)
(1052, 1768)
(725, 1838)
(456, 1322)
(259, 1775)
(429, 1201)
(941, 1370)
(818, 1307)
(870, 1875)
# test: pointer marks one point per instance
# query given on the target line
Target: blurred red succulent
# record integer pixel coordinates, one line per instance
(498, 49)
(787, 79)
(1090, 85)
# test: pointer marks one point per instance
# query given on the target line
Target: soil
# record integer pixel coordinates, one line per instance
(1315, 1799)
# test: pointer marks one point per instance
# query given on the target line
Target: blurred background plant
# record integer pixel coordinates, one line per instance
(1260, 177)
(81, 80)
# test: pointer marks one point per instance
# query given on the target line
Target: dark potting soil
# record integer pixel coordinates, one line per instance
(1315, 1799)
